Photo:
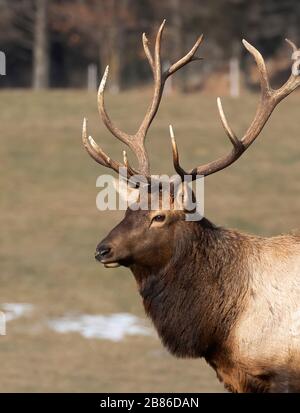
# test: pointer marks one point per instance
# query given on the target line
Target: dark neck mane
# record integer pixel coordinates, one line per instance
(195, 300)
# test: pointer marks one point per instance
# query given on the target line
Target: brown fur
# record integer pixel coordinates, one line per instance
(199, 283)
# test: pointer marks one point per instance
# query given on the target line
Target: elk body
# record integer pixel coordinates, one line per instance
(211, 292)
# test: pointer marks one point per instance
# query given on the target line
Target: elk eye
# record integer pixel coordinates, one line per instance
(159, 218)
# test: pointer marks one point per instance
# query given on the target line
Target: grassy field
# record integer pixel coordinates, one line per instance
(50, 227)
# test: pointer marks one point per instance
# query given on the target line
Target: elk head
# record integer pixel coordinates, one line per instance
(147, 237)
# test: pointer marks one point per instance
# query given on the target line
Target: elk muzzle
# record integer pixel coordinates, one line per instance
(104, 253)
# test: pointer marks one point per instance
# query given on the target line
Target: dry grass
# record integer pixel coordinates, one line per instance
(50, 227)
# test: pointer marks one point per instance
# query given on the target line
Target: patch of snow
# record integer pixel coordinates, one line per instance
(112, 327)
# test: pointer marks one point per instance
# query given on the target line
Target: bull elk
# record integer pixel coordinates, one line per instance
(211, 292)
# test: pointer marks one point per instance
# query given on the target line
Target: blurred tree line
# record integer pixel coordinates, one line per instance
(52, 42)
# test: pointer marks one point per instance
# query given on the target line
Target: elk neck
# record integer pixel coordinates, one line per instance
(195, 300)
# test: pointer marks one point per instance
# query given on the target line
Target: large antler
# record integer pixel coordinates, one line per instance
(268, 101)
(136, 142)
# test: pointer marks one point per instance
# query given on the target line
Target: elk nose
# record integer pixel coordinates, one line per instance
(102, 252)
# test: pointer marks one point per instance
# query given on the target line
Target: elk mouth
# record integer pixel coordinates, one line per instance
(105, 256)
(113, 264)
(109, 263)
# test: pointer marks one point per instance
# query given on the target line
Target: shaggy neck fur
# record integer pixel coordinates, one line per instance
(195, 300)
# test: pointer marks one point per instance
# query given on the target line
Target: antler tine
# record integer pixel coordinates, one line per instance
(96, 152)
(262, 70)
(270, 98)
(181, 172)
(189, 57)
(157, 50)
(229, 132)
(294, 79)
(292, 44)
(122, 136)
(148, 53)
(131, 170)
(158, 83)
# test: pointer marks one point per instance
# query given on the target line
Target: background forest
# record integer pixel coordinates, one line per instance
(51, 43)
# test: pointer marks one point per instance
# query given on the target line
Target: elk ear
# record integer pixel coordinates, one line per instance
(127, 193)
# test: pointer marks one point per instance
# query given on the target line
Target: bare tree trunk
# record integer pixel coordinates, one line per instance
(110, 52)
(41, 49)
(178, 41)
(114, 59)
